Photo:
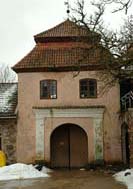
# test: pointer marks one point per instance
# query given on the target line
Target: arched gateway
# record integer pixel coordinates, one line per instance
(69, 147)
(125, 143)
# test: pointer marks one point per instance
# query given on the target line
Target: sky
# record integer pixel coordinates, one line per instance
(20, 20)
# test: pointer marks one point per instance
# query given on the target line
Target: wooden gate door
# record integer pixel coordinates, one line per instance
(78, 147)
(69, 147)
(60, 148)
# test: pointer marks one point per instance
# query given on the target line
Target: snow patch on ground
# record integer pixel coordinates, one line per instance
(20, 171)
(46, 170)
(126, 177)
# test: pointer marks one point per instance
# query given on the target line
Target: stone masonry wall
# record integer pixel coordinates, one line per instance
(130, 110)
(8, 132)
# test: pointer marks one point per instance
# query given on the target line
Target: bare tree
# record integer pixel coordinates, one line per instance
(7, 75)
(119, 46)
(121, 4)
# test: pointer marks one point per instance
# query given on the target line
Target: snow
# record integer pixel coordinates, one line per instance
(46, 170)
(5, 94)
(125, 177)
(20, 171)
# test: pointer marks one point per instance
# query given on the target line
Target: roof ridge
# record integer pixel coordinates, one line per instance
(57, 25)
(66, 29)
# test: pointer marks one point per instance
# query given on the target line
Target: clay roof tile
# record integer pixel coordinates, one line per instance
(65, 29)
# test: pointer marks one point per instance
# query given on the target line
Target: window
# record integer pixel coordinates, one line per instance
(48, 89)
(88, 88)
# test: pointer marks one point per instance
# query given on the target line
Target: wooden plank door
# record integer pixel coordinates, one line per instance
(60, 148)
(78, 147)
(69, 147)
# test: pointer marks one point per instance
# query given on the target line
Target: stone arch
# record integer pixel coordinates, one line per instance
(69, 146)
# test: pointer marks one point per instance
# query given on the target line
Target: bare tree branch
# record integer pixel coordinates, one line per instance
(7, 75)
(118, 46)
(122, 4)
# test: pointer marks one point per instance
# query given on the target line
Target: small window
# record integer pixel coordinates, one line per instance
(88, 88)
(48, 89)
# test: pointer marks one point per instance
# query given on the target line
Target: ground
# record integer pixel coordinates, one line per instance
(74, 179)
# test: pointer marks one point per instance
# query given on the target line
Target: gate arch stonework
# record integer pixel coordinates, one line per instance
(89, 119)
(69, 146)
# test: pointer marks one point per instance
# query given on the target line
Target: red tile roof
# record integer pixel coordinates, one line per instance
(66, 29)
(57, 52)
(41, 57)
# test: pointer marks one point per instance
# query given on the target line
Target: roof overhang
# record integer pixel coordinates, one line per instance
(60, 69)
(4, 117)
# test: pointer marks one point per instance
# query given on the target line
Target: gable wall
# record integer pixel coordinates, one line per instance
(67, 95)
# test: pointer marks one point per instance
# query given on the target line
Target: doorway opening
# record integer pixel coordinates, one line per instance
(69, 147)
(125, 144)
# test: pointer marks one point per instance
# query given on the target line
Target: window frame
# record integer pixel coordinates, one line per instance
(88, 80)
(48, 97)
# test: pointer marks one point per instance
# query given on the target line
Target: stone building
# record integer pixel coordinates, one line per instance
(63, 119)
(8, 120)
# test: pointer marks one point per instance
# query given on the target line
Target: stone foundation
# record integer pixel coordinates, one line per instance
(8, 132)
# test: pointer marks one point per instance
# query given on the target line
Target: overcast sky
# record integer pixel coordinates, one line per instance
(20, 20)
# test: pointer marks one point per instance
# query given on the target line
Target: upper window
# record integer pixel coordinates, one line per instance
(48, 89)
(88, 88)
